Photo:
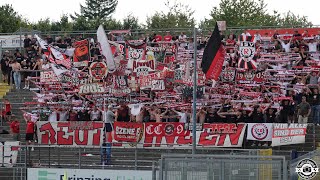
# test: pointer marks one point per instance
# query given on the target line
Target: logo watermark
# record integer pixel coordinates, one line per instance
(307, 169)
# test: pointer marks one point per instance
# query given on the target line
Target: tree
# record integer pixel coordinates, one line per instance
(112, 24)
(43, 25)
(240, 13)
(130, 22)
(96, 11)
(62, 25)
(291, 20)
(178, 16)
(10, 20)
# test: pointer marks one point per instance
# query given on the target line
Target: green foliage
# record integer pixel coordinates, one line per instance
(241, 13)
(10, 20)
(43, 25)
(178, 16)
(96, 11)
(130, 22)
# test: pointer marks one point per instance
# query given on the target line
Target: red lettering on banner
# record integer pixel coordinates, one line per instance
(218, 138)
(49, 137)
(70, 133)
(97, 136)
(162, 133)
(62, 137)
(85, 136)
(143, 63)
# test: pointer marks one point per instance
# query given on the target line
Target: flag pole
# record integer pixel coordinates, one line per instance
(194, 105)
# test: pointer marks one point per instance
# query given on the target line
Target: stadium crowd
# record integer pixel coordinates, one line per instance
(288, 92)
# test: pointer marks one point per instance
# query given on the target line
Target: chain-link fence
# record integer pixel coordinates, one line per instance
(209, 167)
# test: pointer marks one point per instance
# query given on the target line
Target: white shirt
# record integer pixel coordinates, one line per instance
(183, 117)
(257, 37)
(286, 47)
(312, 47)
(53, 117)
(183, 38)
(63, 115)
(45, 66)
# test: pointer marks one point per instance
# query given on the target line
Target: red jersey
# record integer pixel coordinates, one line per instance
(167, 38)
(15, 127)
(30, 127)
(7, 107)
(158, 38)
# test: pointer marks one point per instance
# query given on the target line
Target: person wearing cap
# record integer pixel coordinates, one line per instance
(5, 66)
(109, 118)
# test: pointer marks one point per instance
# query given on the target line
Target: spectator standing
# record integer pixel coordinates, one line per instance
(27, 43)
(5, 67)
(7, 109)
(304, 111)
(16, 67)
(183, 40)
(201, 115)
(73, 115)
(109, 119)
(314, 100)
(15, 129)
(30, 119)
(168, 37)
(183, 116)
(95, 114)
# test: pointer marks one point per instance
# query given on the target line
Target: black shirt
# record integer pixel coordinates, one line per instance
(257, 117)
(27, 43)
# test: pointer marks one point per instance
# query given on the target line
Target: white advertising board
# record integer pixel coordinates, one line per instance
(90, 174)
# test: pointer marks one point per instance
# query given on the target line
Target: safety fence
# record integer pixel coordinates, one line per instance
(161, 163)
(205, 167)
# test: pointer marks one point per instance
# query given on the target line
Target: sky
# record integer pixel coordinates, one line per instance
(34, 10)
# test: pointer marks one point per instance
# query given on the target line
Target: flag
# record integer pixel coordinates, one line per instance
(105, 49)
(213, 56)
(43, 44)
(58, 69)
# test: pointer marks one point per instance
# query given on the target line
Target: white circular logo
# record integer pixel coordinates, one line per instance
(307, 169)
(259, 131)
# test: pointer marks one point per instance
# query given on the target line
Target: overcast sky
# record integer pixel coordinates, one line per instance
(37, 9)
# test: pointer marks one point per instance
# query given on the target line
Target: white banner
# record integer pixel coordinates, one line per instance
(48, 76)
(158, 85)
(11, 41)
(105, 49)
(81, 133)
(61, 174)
(285, 134)
(91, 88)
(8, 157)
(247, 49)
(259, 131)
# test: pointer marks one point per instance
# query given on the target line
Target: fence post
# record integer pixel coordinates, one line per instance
(154, 172)
(2, 154)
(161, 169)
(221, 177)
(79, 158)
(49, 157)
(135, 158)
(25, 161)
(285, 170)
(314, 136)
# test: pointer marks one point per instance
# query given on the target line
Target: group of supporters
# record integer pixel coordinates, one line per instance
(281, 87)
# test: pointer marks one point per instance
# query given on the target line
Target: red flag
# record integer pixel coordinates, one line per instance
(213, 56)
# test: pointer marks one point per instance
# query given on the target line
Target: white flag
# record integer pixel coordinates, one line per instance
(105, 49)
(58, 69)
(42, 43)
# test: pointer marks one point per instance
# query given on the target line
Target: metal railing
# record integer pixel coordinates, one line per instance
(90, 158)
(207, 167)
